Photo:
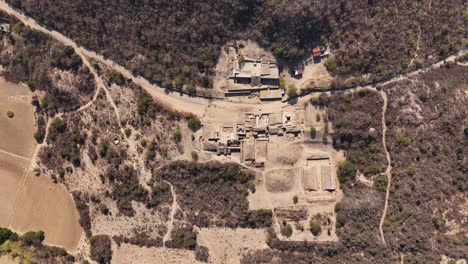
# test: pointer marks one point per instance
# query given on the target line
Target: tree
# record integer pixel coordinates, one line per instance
(39, 136)
(295, 199)
(338, 207)
(282, 83)
(101, 250)
(177, 136)
(315, 228)
(194, 155)
(194, 123)
(313, 132)
(58, 124)
(32, 237)
(5, 234)
(292, 91)
(278, 52)
(128, 132)
(346, 171)
(287, 230)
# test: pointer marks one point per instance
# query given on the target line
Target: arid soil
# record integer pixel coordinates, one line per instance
(16, 133)
(11, 173)
(49, 207)
(130, 254)
(228, 245)
(28, 202)
(6, 260)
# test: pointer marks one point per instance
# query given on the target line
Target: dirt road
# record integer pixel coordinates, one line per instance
(181, 102)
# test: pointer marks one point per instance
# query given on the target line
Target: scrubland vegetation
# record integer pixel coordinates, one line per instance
(214, 194)
(428, 149)
(161, 41)
(33, 58)
(425, 139)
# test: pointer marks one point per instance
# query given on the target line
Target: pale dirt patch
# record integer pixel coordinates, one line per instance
(6, 260)
(446, 260)
(252, 50)
(222, 70)
(11, 174)
(283, 153)
(315, 75)
(280, 180)
(49, 207)
(361, 178)
(129, 254)
(16, 134)
(229, 245)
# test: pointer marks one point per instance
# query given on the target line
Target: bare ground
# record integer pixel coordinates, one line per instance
(229, 245)
(129, 254)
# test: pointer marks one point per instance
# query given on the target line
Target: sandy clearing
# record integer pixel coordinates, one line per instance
(6, 260)
(16, 134)
(49, 207)
(128, 254)
(228, 245)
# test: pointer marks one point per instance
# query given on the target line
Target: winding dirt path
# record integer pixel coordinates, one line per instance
(170, 223)
(388, 171)
(417, 48)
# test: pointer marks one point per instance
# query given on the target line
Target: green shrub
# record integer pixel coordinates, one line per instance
(340, 221)
(143, 104)
(295, 199)
(39, 136)
(59, 124)
(32, 237)
(278, 52)
(43, 104)
(101, 250)
(194, 155)
(194, 123)
(338, 207)
(5, 234)
(346, 171)
(177, 136)
(282, 83)
(103, 147)
(287, 230)
(128, 132)
(292, 91)
(313, 132)
(423, 96)
(315, 228)
(300, 53)
(143, 142)
(401, 139)
(331, 64)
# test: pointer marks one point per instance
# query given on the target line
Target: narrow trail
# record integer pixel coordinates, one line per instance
(13, 155)
(417, 47)
(388, 171)
(170, 223)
